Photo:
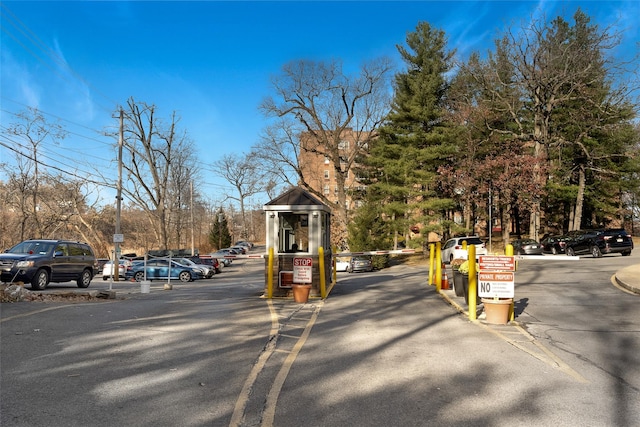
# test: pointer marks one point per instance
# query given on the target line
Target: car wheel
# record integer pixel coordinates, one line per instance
(139, 276)
(40, 280)
(627, 253)
(570, 252)
(85, 279)
(105, 277)
(595, 251)
(185, 276)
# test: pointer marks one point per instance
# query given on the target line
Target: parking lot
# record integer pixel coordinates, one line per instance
(383, 349)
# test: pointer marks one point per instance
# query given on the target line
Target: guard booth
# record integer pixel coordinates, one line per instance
(297, 225)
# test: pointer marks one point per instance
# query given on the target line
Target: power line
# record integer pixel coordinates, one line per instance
(63, 171)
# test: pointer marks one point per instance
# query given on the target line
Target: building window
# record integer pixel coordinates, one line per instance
(343, 145)
(326, 174)
(326, 160)
(326, 189)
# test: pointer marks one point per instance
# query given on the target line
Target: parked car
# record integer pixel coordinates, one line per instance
(207, 270)
(452, 248)
(108, 270)
(220, 254)
(241, 249)
(599, 242)
(342, 264)
(40, 262)
(360, 263)
(100, 262)
(160, 269)
(249, 245)
(554, 244)
(208, 260)
(526, 247)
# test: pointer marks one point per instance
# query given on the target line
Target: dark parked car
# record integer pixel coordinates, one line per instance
(360, 263)
(599, 242)
(158, 269)
(526, 247)
(40, 262)
(554, 244)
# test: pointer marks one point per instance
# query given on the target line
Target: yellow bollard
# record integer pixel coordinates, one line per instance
(270, 275)
(438, 262)
(473, 282)
(323, 282)
(464, 245)
(431, 264)
(508, 251)
(333, 260)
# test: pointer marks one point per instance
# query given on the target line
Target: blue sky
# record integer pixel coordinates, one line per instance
(211, 62)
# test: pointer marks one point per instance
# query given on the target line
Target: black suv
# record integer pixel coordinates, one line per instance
(598, 242)
(42, 261)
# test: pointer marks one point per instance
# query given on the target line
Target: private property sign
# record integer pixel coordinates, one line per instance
(302, 270)
(496, 276)
(496, 284)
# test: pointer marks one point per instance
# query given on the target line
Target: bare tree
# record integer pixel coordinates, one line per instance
(153, 152)
(319, 102)
(26, 138)
(242, 173)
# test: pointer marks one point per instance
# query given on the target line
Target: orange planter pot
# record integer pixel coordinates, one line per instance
(301, 293)
(497, 310)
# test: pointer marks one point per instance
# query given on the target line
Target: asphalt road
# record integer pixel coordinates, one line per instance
(384, 349)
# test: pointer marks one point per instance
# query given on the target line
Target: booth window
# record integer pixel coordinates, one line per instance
(294, 232)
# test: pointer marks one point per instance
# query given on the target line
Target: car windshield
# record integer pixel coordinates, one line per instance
(39, 248)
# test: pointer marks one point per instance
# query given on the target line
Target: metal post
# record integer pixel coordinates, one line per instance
(473, 282)
(508, 250)
(270, 274)
(119, 198)
(323, 282)
(438, 267)
(432, 258)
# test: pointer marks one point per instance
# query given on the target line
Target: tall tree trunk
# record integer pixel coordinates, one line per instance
(577, 217)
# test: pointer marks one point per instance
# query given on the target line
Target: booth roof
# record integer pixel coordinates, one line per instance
(295, 199)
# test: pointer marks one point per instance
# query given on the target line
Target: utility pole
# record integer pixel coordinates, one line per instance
(117, 237)
(193, 245)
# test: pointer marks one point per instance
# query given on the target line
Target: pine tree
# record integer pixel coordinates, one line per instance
(219, 236)
(415, 139)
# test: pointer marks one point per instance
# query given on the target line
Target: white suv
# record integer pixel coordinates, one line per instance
(452, 249)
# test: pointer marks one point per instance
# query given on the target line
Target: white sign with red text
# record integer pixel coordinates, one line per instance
(496, 284)
(302, 268)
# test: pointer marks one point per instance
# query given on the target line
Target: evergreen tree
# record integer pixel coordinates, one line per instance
(219, 236)
(415, 139)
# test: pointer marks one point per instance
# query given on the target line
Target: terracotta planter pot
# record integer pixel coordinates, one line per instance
(301, 293)
(497, 310)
